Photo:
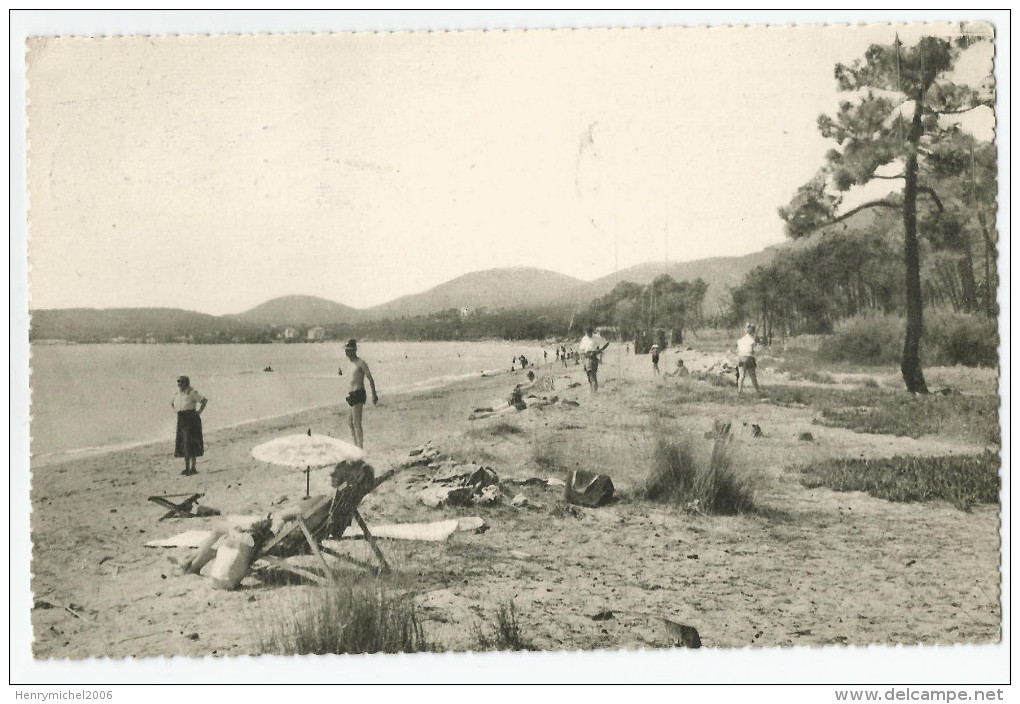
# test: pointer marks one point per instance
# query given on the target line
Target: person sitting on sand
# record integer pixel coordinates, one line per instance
(592, 346)
(357, 397)
(517, 398)
(680, 371)
(746, 364)
(189, 443)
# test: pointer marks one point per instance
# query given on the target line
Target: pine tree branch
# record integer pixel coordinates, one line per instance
(859, 208)
(935, 196)
(961, 111)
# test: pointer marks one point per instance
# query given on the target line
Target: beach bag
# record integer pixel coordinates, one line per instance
(233, 557)
(588, 489)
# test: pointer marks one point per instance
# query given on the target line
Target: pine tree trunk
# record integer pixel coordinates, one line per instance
(991, 254)
(910, 363)
(965, 269)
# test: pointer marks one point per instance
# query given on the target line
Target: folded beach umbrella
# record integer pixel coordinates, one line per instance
(308, 452)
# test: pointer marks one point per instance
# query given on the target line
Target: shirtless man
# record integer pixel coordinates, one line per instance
(357, 397)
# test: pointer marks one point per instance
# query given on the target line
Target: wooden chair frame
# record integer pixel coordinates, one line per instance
(315, 523)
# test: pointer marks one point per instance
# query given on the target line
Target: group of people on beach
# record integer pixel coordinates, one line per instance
(189, 403)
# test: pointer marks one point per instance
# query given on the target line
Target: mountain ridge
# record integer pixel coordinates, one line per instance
(511, 288)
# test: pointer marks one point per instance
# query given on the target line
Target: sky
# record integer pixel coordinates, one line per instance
(213, 173)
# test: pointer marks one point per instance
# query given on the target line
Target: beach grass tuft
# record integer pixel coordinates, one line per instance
(714, 486)
(347, 617)
(504, 633)
(548, 455)
(962, 480)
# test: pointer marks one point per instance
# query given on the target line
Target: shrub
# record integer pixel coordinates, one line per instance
(344, 618)
(865, 339)
(949, 339)
(954, 338)
(962, 480)
(716, 486)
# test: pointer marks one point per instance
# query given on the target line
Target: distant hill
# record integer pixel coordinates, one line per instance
(85, 324)
(495, 288)
(721, 273)
(534, 290)
(299, 310)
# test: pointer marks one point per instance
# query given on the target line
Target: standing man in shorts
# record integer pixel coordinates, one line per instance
(746, 364)
(357, 397)
(591, 348)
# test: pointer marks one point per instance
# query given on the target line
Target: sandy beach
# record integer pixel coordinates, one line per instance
(810, 567)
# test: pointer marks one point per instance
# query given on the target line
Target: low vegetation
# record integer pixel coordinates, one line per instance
(349, 617)
(714, 485)
(503, 429)
(814, 377)
(872, 409)
(975, 418)
(504, 633)
(962, 480)
(548, 457)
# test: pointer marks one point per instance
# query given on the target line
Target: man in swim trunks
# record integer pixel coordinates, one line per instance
(357, 397)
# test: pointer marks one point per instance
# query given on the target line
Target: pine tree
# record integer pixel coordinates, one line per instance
(899, 95)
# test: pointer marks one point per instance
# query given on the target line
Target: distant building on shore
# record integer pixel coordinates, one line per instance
(290, 333)
(317, 333)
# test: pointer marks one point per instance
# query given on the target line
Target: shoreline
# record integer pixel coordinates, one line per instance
(56, 438)
(63, 457)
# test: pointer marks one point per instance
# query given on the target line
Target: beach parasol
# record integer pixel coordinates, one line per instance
(307, 451)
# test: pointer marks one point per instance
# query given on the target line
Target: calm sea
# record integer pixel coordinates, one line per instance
(93, 398)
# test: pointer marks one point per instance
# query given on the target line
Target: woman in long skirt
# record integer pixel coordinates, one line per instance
(189, 405)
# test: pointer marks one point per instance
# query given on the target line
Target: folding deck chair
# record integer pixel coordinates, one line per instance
(188, 508)
(323, 517)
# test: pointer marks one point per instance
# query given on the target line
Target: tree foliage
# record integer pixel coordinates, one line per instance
(826, 278)
(664, 303)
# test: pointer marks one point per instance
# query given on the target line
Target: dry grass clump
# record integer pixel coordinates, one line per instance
(503, 428)
(505, 631)
(347, 617)
(715, 486)
(548, 456)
